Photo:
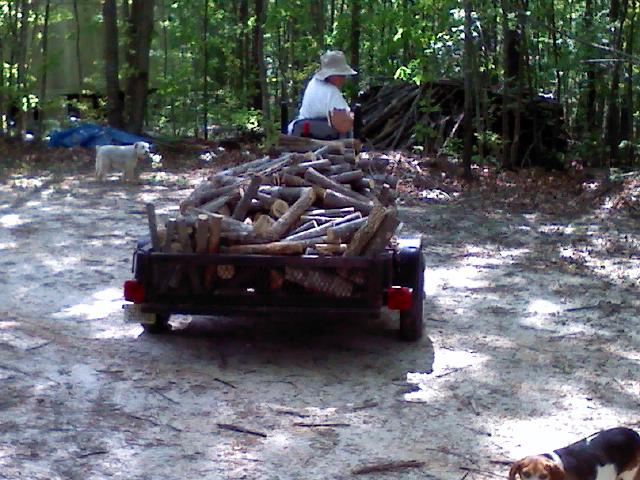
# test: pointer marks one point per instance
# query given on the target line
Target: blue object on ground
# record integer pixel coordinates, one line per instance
(90, 135)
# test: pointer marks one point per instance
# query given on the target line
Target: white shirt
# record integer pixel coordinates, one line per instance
(320, 98)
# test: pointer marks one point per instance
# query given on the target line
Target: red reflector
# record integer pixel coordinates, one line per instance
(306, 129)
(399, 298)
(133, 291)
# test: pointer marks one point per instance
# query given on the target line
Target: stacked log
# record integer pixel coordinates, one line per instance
(314, 200)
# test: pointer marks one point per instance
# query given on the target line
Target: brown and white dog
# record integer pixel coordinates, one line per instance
(612, 454)
(120, 157)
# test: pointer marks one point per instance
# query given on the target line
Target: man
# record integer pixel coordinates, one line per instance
(324, 112)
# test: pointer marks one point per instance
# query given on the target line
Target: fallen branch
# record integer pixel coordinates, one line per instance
(216, 379)
(235, 428)
(386, 467)
(321, 425)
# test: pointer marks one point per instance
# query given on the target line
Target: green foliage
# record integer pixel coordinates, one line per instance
(197, 80)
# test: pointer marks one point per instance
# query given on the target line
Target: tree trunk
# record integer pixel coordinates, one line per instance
(508, 36)
(243, 19)
(556, 54)
(261, 100)
(205, 71)
(626, 115)
(44, 46)
(258, 57)
(617, 17)
(165, 65)
(355, 40)
(332, 17)
(112, 65)
(140, 29)
(2, 89)
(76, 17)
(519, 51)
(317, 19)
(22, 64)
(590, 107)
(468, 89)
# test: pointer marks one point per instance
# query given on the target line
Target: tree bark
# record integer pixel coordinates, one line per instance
(590, 107)
(508, 40)
(140, 30)
(205, 72)
(243, 19)
(556, 51)
(112, 65)
(25, 8)
(76, 17)
(626, 115)
(45, 60)
(617, 15)
(355, 40)
(468, 89)
(257, 54)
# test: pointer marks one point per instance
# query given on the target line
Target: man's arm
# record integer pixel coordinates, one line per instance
(341, 120)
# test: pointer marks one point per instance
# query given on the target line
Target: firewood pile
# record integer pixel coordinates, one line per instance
(316, 197)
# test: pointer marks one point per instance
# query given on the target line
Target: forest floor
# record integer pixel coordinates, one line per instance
(531, 337)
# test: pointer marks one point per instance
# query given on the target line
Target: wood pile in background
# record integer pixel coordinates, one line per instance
(314, 198)
(403, 115)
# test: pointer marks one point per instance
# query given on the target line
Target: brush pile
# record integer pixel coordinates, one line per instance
(399, 116)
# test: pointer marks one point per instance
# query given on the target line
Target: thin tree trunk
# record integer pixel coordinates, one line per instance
(617, 15)
(355, 40)
(626, 115)
(76, 16)
(556, 52)
(507, 33)
(332, 17)
(44, 46)
(258, 58)
(591, 97)
(140, 29)
(3, 118)
(112, 64)
(9, 99)
(205, 80)
(317, 18)
(244, 49)
(468, 89)
(22, 64)
(261, 16)
(519, 50)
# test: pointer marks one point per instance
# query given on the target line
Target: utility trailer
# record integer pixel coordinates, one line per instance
(394, 278)
(313, 231)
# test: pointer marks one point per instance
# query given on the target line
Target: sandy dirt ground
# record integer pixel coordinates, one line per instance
(531, 342)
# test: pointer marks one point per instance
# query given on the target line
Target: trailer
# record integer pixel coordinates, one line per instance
(392, 279)
(308, 232)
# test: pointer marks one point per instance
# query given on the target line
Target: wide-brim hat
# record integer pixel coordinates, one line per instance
(333, 63)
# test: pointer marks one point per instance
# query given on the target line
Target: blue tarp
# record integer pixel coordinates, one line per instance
(89, 135)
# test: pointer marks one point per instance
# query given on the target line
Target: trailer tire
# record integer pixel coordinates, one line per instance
(411, 324)
(161, 325)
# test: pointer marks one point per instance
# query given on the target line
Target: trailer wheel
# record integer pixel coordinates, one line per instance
(411, 320)
(161, 325)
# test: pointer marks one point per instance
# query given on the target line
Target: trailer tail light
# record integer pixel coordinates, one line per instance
(399, 298)
(133, 291)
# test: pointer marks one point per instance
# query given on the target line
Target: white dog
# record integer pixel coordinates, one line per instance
(120, 157)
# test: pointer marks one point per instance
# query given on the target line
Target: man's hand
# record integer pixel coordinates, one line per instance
(342, 120)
